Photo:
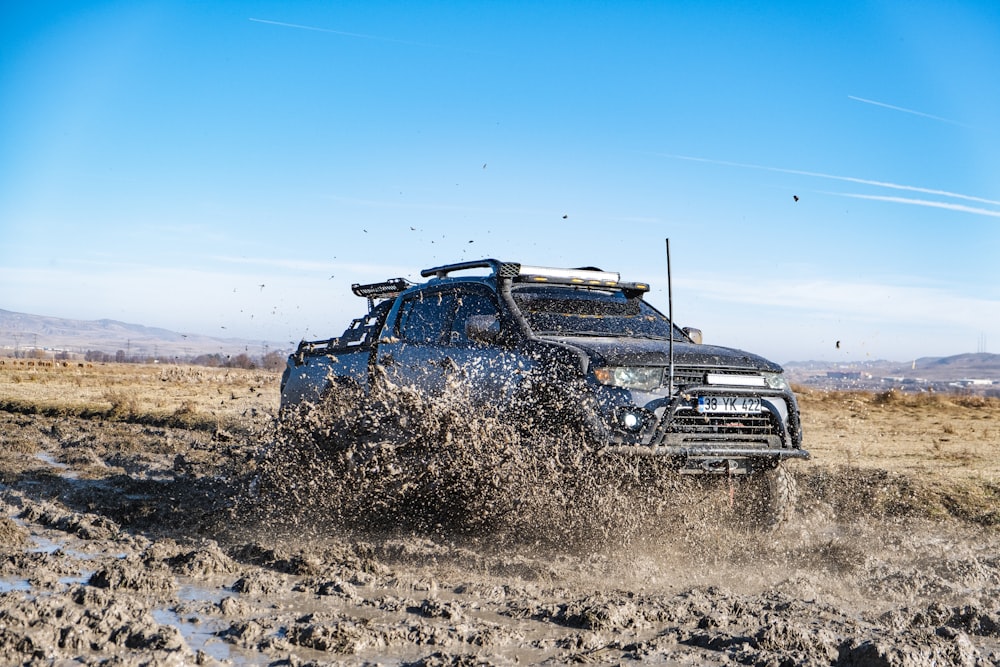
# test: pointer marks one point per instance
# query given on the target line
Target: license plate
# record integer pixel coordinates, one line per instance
(728, 404)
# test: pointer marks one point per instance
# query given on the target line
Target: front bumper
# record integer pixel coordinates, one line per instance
(707, 443)
(711, 459)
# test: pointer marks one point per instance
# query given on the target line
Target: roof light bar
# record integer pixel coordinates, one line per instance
(382, 290)
(588, 277)
(581, 276)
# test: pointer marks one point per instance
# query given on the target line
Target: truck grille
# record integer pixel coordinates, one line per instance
(757, 427)
(686, 376)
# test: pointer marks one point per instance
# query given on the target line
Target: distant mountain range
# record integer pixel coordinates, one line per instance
(979, 365)
(20, 332)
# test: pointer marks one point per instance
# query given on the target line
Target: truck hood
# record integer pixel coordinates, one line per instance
(609, 351)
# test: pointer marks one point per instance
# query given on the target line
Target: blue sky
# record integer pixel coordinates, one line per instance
(231, 168)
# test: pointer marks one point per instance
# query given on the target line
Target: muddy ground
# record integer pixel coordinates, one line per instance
(133, 544)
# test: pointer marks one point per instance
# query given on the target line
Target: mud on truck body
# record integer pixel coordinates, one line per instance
(560, 349)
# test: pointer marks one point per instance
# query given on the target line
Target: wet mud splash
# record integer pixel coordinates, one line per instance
(396, 461)
(431, 535)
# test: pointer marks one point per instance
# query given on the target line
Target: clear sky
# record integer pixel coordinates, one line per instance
(825, 171)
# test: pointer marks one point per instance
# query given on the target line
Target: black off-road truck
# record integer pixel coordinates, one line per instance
(567, 348)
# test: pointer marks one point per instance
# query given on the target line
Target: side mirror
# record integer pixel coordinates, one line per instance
(693, 334)
(482, 328)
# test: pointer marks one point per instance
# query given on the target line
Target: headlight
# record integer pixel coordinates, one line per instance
(645, 378)
(775, 380)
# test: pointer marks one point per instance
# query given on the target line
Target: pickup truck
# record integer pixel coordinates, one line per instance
(560, 349)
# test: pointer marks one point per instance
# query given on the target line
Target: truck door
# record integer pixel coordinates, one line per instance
(416, 354)
(491, 370)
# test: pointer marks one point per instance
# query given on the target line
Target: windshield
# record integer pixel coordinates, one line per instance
(587, 311)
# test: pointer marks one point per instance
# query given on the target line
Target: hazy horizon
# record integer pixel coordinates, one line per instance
(263, 346)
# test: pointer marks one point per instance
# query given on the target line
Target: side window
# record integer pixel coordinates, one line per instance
(424, 318)
(467, 305)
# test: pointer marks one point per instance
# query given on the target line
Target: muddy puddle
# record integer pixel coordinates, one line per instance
(301, 547)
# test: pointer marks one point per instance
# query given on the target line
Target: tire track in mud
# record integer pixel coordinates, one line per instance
(224, 555)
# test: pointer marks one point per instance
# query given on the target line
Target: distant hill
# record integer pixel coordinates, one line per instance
(971, 365)
(23, 332)
(979, 365)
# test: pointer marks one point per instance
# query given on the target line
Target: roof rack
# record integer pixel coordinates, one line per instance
(584, 276)
(500, 269)
(387, 289)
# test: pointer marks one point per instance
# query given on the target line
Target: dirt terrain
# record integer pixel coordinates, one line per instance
(161, 516)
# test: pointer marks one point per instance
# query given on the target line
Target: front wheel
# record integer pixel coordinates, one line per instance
(766, 498)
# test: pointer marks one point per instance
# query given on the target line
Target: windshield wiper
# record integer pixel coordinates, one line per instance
(574, 332)
(653, 337)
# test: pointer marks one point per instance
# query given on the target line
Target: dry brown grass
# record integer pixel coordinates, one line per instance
(946, 436)
(944, 445)
(188, 396)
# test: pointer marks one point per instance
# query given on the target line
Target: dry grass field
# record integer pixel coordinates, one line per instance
(947, 437)
(185, 396)
(940, 450)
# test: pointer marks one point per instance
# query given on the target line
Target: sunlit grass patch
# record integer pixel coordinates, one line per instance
(184, 396)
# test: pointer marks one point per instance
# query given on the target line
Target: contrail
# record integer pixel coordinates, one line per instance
(848, 179)
(336, 32)
(922, 202)
(904, 110)
(356, 35)
(309, 27)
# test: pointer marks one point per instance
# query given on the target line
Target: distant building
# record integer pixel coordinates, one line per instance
(970, 382)
(845, 375)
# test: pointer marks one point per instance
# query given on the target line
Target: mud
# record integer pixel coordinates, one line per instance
(434, 536)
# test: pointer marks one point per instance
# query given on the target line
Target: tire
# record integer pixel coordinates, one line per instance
(767, 499)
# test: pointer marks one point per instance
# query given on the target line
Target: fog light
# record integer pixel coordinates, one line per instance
(631, 419)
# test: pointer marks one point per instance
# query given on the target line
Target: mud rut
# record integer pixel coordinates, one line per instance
(423, 534)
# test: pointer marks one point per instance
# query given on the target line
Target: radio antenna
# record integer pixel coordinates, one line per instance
(670, 316)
